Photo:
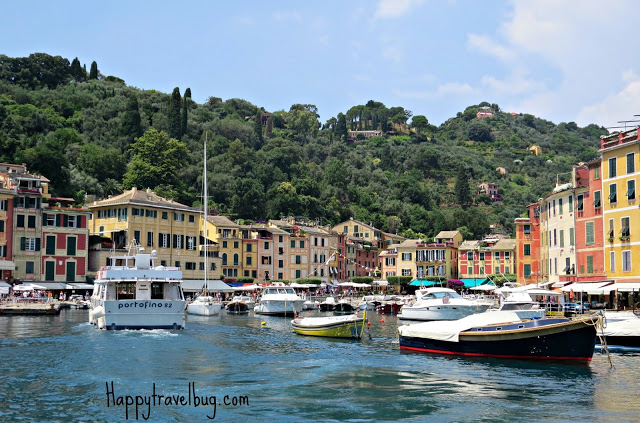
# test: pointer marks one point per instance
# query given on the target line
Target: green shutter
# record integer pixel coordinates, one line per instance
(37, 244)
(182, 242)
(160, 240)
(23, 242)
(590, 237)
(1, 225)
(589, 264)
(71, 246)
(44, 219)
(66, 220)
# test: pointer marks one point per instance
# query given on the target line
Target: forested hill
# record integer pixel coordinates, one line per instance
(91, 133)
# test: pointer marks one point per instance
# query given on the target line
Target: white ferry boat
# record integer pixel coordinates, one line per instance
(133, 293)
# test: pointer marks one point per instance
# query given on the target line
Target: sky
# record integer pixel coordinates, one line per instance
(564, 61)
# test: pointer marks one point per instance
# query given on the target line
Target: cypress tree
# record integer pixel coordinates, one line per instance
(341, 127)
(462, 189)
(130, 126)
(268, 130)
(257, 127)
(77, 73)
(183, 116)
(173, 114)
(93, 73)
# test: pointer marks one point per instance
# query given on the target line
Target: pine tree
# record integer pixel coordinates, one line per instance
(93, 73)
(268, 130)
(462, 189)
(173, 114)
(185, 111)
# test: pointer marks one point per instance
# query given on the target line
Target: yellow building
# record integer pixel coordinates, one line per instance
(620, 169)
(154, 223)
(228, 236)
(363, 232)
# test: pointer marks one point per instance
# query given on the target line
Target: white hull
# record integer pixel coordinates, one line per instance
(140, 314)
(279, 307)
(212, 309)
(441, 312)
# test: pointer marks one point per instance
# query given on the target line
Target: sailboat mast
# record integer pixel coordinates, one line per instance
(206, 206)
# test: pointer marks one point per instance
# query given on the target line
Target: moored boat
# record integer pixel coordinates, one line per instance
(279, 300)
(237, 307)
(503, 334)
(441, 304)
(622, 332)
(133, 293)
(204, 305)
(351, 326)
(343, 307)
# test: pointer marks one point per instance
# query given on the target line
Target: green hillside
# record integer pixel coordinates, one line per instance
(92, 134)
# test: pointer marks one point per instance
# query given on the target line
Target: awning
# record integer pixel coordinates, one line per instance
(380, 283)
(584, 286)
(469, 282)
(483, 287)
(79, 285)
(560, 284)
(196, 285)
(543, 284)
(7, 265)
(425, 283)
(54, 285)
(618, 286)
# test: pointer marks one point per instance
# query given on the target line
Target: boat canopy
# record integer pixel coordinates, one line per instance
(449, 330)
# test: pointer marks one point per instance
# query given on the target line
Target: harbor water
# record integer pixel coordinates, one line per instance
(60, 368)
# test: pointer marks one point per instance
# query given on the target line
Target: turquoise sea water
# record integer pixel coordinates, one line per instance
(60, 369)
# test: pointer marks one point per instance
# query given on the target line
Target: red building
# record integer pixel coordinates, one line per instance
(589, 244)
(6, 234)
(65, 244)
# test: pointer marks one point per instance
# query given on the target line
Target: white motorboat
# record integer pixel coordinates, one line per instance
(205, 304)
(521, 303)
(279, 300)
(441, 304)
(328, 304)
(247, 299)
(133, 293)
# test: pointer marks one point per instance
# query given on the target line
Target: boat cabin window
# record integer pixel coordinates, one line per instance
(126, 291)
(157, 292)
(446, 294)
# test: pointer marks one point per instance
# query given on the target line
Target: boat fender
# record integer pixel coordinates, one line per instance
(369, 324)
(264, 323)
(98, 312)
(382, 321)
(101, 323)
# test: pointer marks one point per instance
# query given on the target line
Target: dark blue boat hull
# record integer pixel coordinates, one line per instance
(575, 343)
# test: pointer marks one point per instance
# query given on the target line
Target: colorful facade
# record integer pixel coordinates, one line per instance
(528, 246)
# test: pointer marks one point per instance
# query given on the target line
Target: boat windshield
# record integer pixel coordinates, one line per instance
(443, 294)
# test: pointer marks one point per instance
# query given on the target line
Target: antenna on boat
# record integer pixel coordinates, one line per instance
(206, 206)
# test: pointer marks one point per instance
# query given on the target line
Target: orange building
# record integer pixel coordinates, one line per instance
(528, 247)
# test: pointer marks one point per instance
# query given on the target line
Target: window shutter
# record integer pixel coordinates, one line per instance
(66, 220)
(23, 242)
(175, 240)
(160, 240)
(37, 244)
(182, 242)
(1, 225)
(44, 219)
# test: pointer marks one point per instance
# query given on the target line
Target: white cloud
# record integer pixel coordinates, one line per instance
(516, 84)
(388, 9)
(486, 45)
(620, 106)
(629, 75)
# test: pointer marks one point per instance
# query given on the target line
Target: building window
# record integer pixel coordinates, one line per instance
(496, 255)
(406, 272)
(580, 205)
(298, 260)
(570, 203)
(624, 231)
(613, 193)
(506, 270)
(469, 255)
(20, 221)
(527, 229)
(589, 264)
(560, 205)
(191, 243)
(248, 248)
(266, 245)
(571, 237)
(29, 268)
(31, 221)
(612, 167)
(165, 215)
(626, 261)
(555, 237)
(192, 218)
(29, 244)
(406, 256)
(71, 245)
(224, 244)
(73, 222)
(164, 240)
(224, 259)
(507, 255)
(280, 264)
(235, 244)
(589, 239)
(554, 207)
(561, 238)
(596, 199)
(527, 249)
(301, 244)
(612, 261)
(631, 189)
(631, 166)
(136, 236)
